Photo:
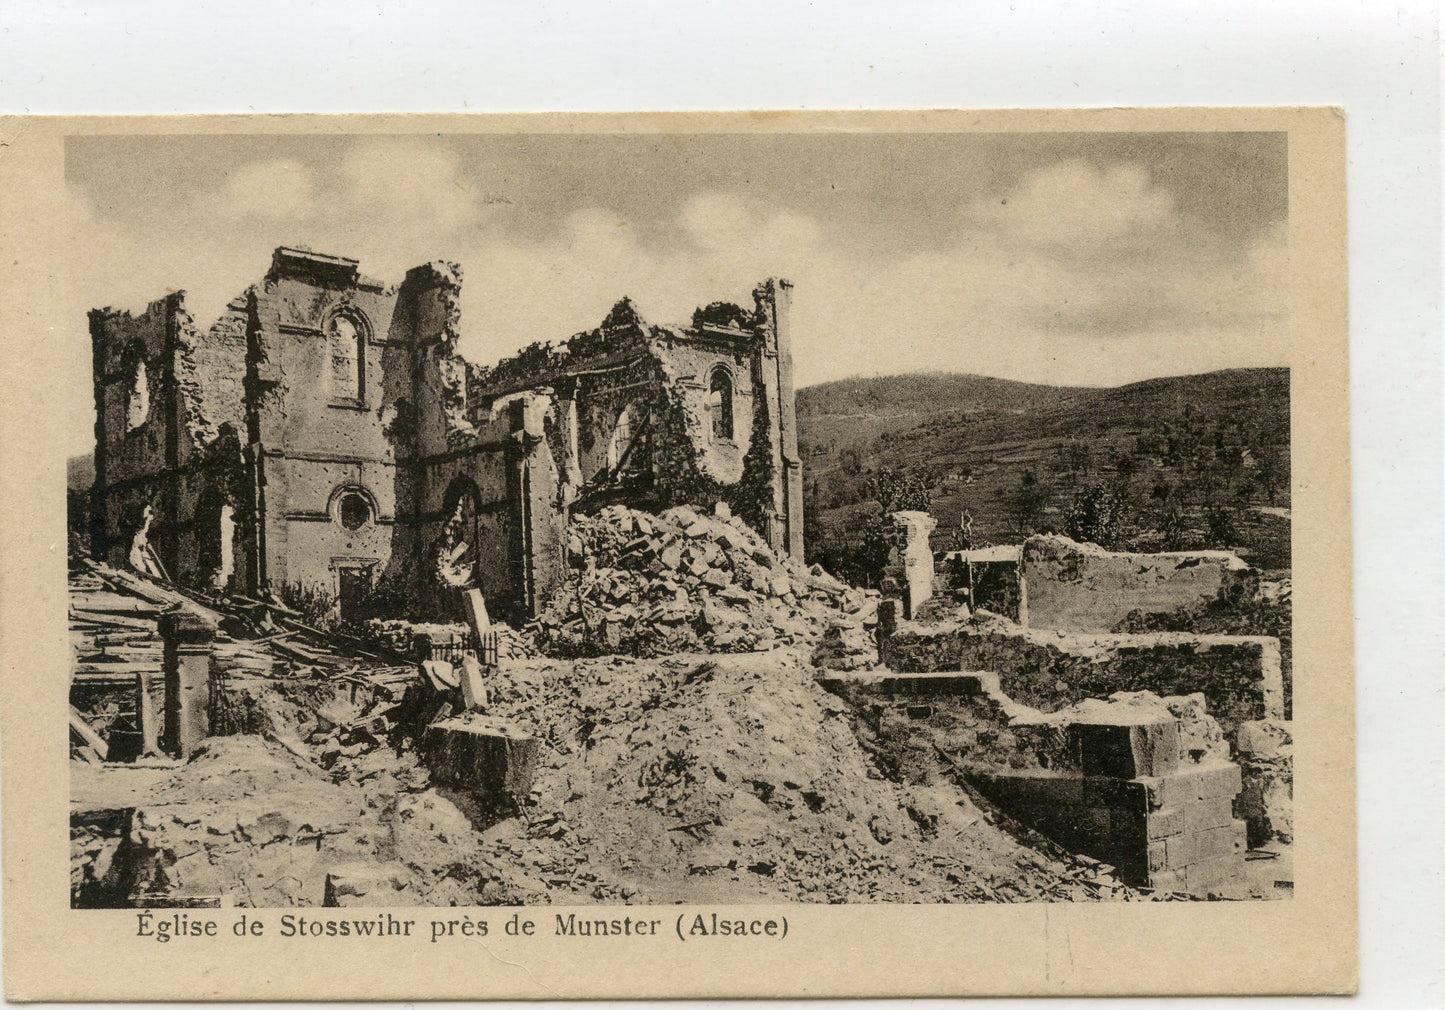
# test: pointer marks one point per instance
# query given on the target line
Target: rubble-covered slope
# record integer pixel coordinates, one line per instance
(693, 778)
(648, 585)
(736, 778)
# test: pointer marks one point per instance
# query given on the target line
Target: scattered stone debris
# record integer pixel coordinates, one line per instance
(649, 585)
(660, 734)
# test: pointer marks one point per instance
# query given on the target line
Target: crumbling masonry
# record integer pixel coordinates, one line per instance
(325, 434)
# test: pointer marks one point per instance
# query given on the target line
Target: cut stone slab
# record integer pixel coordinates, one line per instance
(481, 755)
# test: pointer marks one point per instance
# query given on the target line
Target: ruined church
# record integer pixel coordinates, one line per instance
(324, 435)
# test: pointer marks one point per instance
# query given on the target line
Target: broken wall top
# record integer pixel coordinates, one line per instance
(621, 337)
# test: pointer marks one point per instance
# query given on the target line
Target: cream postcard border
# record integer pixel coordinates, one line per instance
(1307, 943)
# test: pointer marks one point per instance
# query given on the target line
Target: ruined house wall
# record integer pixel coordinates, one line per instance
(1080, 587)
(1239, 676)
(661, 378)
(262, 421)
(498, 453)
(688, 368)
(126, 453)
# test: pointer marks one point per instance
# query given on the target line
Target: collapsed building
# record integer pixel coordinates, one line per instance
(750, 725)
(326, 435)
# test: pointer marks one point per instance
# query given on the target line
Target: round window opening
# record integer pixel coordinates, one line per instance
(354, 511)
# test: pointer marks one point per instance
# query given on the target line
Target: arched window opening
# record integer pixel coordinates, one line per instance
(348, 359)
(720, 403)
(458, 550)
(354, 510)
(629, 450)
(138, 397)
(215, 548)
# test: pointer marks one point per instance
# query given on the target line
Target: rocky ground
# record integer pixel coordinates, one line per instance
(688, 778)
(686, 753)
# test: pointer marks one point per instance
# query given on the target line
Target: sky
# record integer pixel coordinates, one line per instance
(1076, 259)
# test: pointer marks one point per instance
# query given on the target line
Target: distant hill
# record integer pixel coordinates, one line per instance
(1195, 458)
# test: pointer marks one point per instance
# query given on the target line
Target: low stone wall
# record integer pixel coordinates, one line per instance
(1239, 676)
(1170, 831)
(1067, 586)
(1139, 782)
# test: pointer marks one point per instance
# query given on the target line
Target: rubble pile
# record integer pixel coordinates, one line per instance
(680, 581)
(702, 778)
(737, 778)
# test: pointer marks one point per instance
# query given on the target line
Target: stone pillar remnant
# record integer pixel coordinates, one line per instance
(189, 640)
(909, 573)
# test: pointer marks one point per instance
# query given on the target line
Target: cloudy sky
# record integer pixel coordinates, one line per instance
(1090, 259)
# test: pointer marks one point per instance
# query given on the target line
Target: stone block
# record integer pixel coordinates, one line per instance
(474, 689)
(1127, 749)
(1222, 874)
(484, 756)
(1194, 784)
(1264, 738)
(1163, 823)
(1214, 812)
(1107, 791)
(1168, 880)
(1202, 846)
(1034, 787)
(189, 640)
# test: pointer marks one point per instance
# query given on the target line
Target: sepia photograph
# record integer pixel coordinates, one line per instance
(652, 517)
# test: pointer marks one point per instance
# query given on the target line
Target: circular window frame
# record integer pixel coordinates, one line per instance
(336, 506)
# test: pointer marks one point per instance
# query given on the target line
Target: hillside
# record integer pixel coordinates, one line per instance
(1190, 461)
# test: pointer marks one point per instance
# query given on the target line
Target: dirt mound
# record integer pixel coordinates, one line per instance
(736, 778)
(651, 585)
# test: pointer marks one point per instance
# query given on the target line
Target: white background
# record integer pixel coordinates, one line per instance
(1381, 61)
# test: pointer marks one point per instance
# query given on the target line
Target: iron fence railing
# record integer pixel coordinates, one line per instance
(485, 650)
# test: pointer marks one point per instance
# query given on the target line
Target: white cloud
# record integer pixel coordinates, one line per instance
(270, 190)
(1075, 206)
(409, 183)
(1084, 275)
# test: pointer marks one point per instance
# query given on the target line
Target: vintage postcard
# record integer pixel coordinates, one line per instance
(727, 554)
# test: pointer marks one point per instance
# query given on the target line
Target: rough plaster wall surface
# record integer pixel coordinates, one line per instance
(305, 415)
(687, 370)
(1069, 586)
(219, 359)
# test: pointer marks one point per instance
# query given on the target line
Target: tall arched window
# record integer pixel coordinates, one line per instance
(629, 449)
(348, 359)
(138, 397)
(720, 403)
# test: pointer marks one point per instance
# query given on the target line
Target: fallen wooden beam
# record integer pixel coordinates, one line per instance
(112, 620)
(87, 736)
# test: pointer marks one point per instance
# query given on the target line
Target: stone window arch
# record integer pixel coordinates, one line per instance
(346, 356)
(720, 402)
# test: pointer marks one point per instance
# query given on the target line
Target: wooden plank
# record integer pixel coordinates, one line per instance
(112, 620)
(86, 735)
(122, 666)
(114, 605)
